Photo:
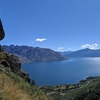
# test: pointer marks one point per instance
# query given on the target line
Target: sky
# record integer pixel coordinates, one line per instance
(61, 25)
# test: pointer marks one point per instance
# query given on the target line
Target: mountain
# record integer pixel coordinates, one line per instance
(84, 53)
(30, 54)
(66, 52)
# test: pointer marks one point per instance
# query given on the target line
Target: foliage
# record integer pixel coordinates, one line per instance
(2, 56)
(88, 89)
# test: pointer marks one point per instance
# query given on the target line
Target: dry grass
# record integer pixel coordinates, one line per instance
(11, 91)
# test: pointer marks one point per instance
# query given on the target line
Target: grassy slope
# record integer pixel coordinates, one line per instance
(13, 87)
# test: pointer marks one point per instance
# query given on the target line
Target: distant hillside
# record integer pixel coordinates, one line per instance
(66, 52)
(30, 54)
(83, 53)
(88, 89)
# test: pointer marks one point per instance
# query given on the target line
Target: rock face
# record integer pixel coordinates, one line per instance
(2, 33)
(13, 62)
(30, 54)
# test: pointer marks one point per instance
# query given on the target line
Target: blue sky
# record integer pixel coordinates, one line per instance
(55, 24)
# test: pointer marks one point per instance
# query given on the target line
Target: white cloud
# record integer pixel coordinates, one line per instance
(40, 39)
(92, 46)
(60, 49)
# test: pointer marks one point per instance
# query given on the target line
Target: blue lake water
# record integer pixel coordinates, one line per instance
(63, 72)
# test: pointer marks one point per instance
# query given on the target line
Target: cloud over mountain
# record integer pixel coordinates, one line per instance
(60, 49)
(90, 46)
(40, 39)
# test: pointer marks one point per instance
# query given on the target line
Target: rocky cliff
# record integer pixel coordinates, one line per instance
(12, 62)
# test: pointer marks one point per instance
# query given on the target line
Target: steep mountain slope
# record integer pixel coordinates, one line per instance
(30, 54)
(15, 84)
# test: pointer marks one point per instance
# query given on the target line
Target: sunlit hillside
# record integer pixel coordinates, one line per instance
(17, 89)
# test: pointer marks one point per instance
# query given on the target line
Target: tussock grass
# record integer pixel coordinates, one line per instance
(9, 90)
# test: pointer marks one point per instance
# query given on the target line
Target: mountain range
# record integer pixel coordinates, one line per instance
(82, 53)
(28, 54)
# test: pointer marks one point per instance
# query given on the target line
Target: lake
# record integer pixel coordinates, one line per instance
(63, 72)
